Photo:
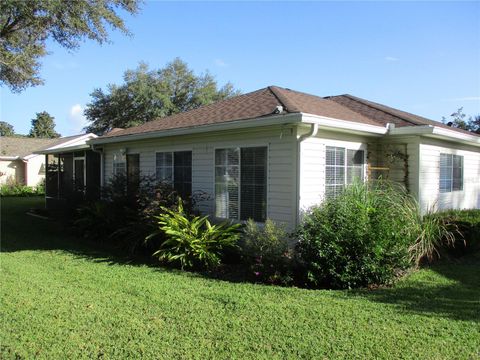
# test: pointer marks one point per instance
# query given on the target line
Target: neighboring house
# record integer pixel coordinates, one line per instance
(72, 169)
(274, 152)
(19, 164)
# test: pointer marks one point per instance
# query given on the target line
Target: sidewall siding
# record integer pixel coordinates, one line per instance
(429, 177)
(281, 143)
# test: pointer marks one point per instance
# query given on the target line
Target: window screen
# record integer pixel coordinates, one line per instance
(451, 173)
(253, 172)
(176, 168)
(342, 167)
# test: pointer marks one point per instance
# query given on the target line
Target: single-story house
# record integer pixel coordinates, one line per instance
(70, 166)
(275, 152)
(19, 164)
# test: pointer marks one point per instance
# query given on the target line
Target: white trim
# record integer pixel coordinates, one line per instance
(229, 125)
(267, 180)
(10, 158)
(345, 125)
(436, 132)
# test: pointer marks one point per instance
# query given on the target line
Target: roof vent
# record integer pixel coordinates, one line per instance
(278, 109)
(449, 123)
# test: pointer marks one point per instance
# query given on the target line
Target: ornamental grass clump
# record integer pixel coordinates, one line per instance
(359, 238)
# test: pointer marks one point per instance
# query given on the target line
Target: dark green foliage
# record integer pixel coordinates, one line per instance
(6, 129)
(25, 26)
(459, 120)
(149, 94)
(192, 241)
(43, 126)
(15, 189)
(265, 251)
(466, 229)
(123, 217)
(359, 238)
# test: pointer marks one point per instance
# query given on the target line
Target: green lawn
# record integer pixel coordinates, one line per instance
(64, 300)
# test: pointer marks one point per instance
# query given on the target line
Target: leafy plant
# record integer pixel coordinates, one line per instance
(266, 252)
(12, 188)
(192, 241)
(359, 238)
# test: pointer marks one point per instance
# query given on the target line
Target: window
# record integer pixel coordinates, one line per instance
(342, 167)
(175, 168)
(451, 173)
(119, 164)
(241, 183)
(133, 172)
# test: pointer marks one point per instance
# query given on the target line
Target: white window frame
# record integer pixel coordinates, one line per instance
(123, 160)
(240, 147)
(345, 165)
(451, 173)
(173, 162)
(84, 158)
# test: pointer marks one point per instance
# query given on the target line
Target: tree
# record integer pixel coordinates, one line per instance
(6, 129)
(25, 25)
(149, 94)
(459, 120)
(43, 126)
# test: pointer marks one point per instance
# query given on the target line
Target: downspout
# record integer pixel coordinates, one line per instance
(25, 169)
(313, 132)
(101, 163)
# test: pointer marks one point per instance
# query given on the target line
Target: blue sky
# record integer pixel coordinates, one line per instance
(422, 57)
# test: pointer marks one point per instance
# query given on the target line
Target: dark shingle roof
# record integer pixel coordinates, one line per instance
(262, 103)
(22, 146)
(384, 114)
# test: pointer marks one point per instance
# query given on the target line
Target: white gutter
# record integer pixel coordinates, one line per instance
(436, 132)
(345, 125)
(10, 158)
(100, 151)
(231, 125)
(59, 150)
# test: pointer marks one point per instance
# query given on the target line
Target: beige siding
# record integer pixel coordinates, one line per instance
(35, 170)
(429, 177)
(312, 163)
(281, 163)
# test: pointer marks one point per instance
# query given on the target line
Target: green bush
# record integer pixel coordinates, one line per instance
(21, 190)
(466, 229)
(266, 252)
(192, 242)
(359, 238)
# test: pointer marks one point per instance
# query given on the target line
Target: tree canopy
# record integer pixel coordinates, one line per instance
(6, 129)
(459, 120)
(43, 126)
(149, 94)
(25, 25)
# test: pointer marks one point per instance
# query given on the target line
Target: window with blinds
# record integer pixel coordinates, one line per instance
(119, 164)
(175, 168)
(451, 173)
(241, 183)
(342, 167)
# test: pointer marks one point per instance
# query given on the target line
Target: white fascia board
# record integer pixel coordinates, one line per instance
(9, 158)
(437, 132)
(343, 125)
(231, 125)
(77, 141)
(65, 149)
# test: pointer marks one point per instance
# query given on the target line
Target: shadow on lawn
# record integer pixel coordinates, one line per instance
(418, 295)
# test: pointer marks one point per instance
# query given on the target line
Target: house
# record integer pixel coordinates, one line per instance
(19, 164)
(71, 164)
(275, 152)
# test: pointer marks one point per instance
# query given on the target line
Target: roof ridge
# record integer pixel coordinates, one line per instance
(381, 108)
(283, 99)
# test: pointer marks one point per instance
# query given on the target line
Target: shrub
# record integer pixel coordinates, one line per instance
(359, 238)
(192, 242)
(265, 251)
(17, 189)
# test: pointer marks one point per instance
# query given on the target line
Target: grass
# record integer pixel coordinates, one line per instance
(63, 298)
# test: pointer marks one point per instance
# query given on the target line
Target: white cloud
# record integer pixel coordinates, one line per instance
(220, 63)
(466, 98)
(77, 119)
(391, 58)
